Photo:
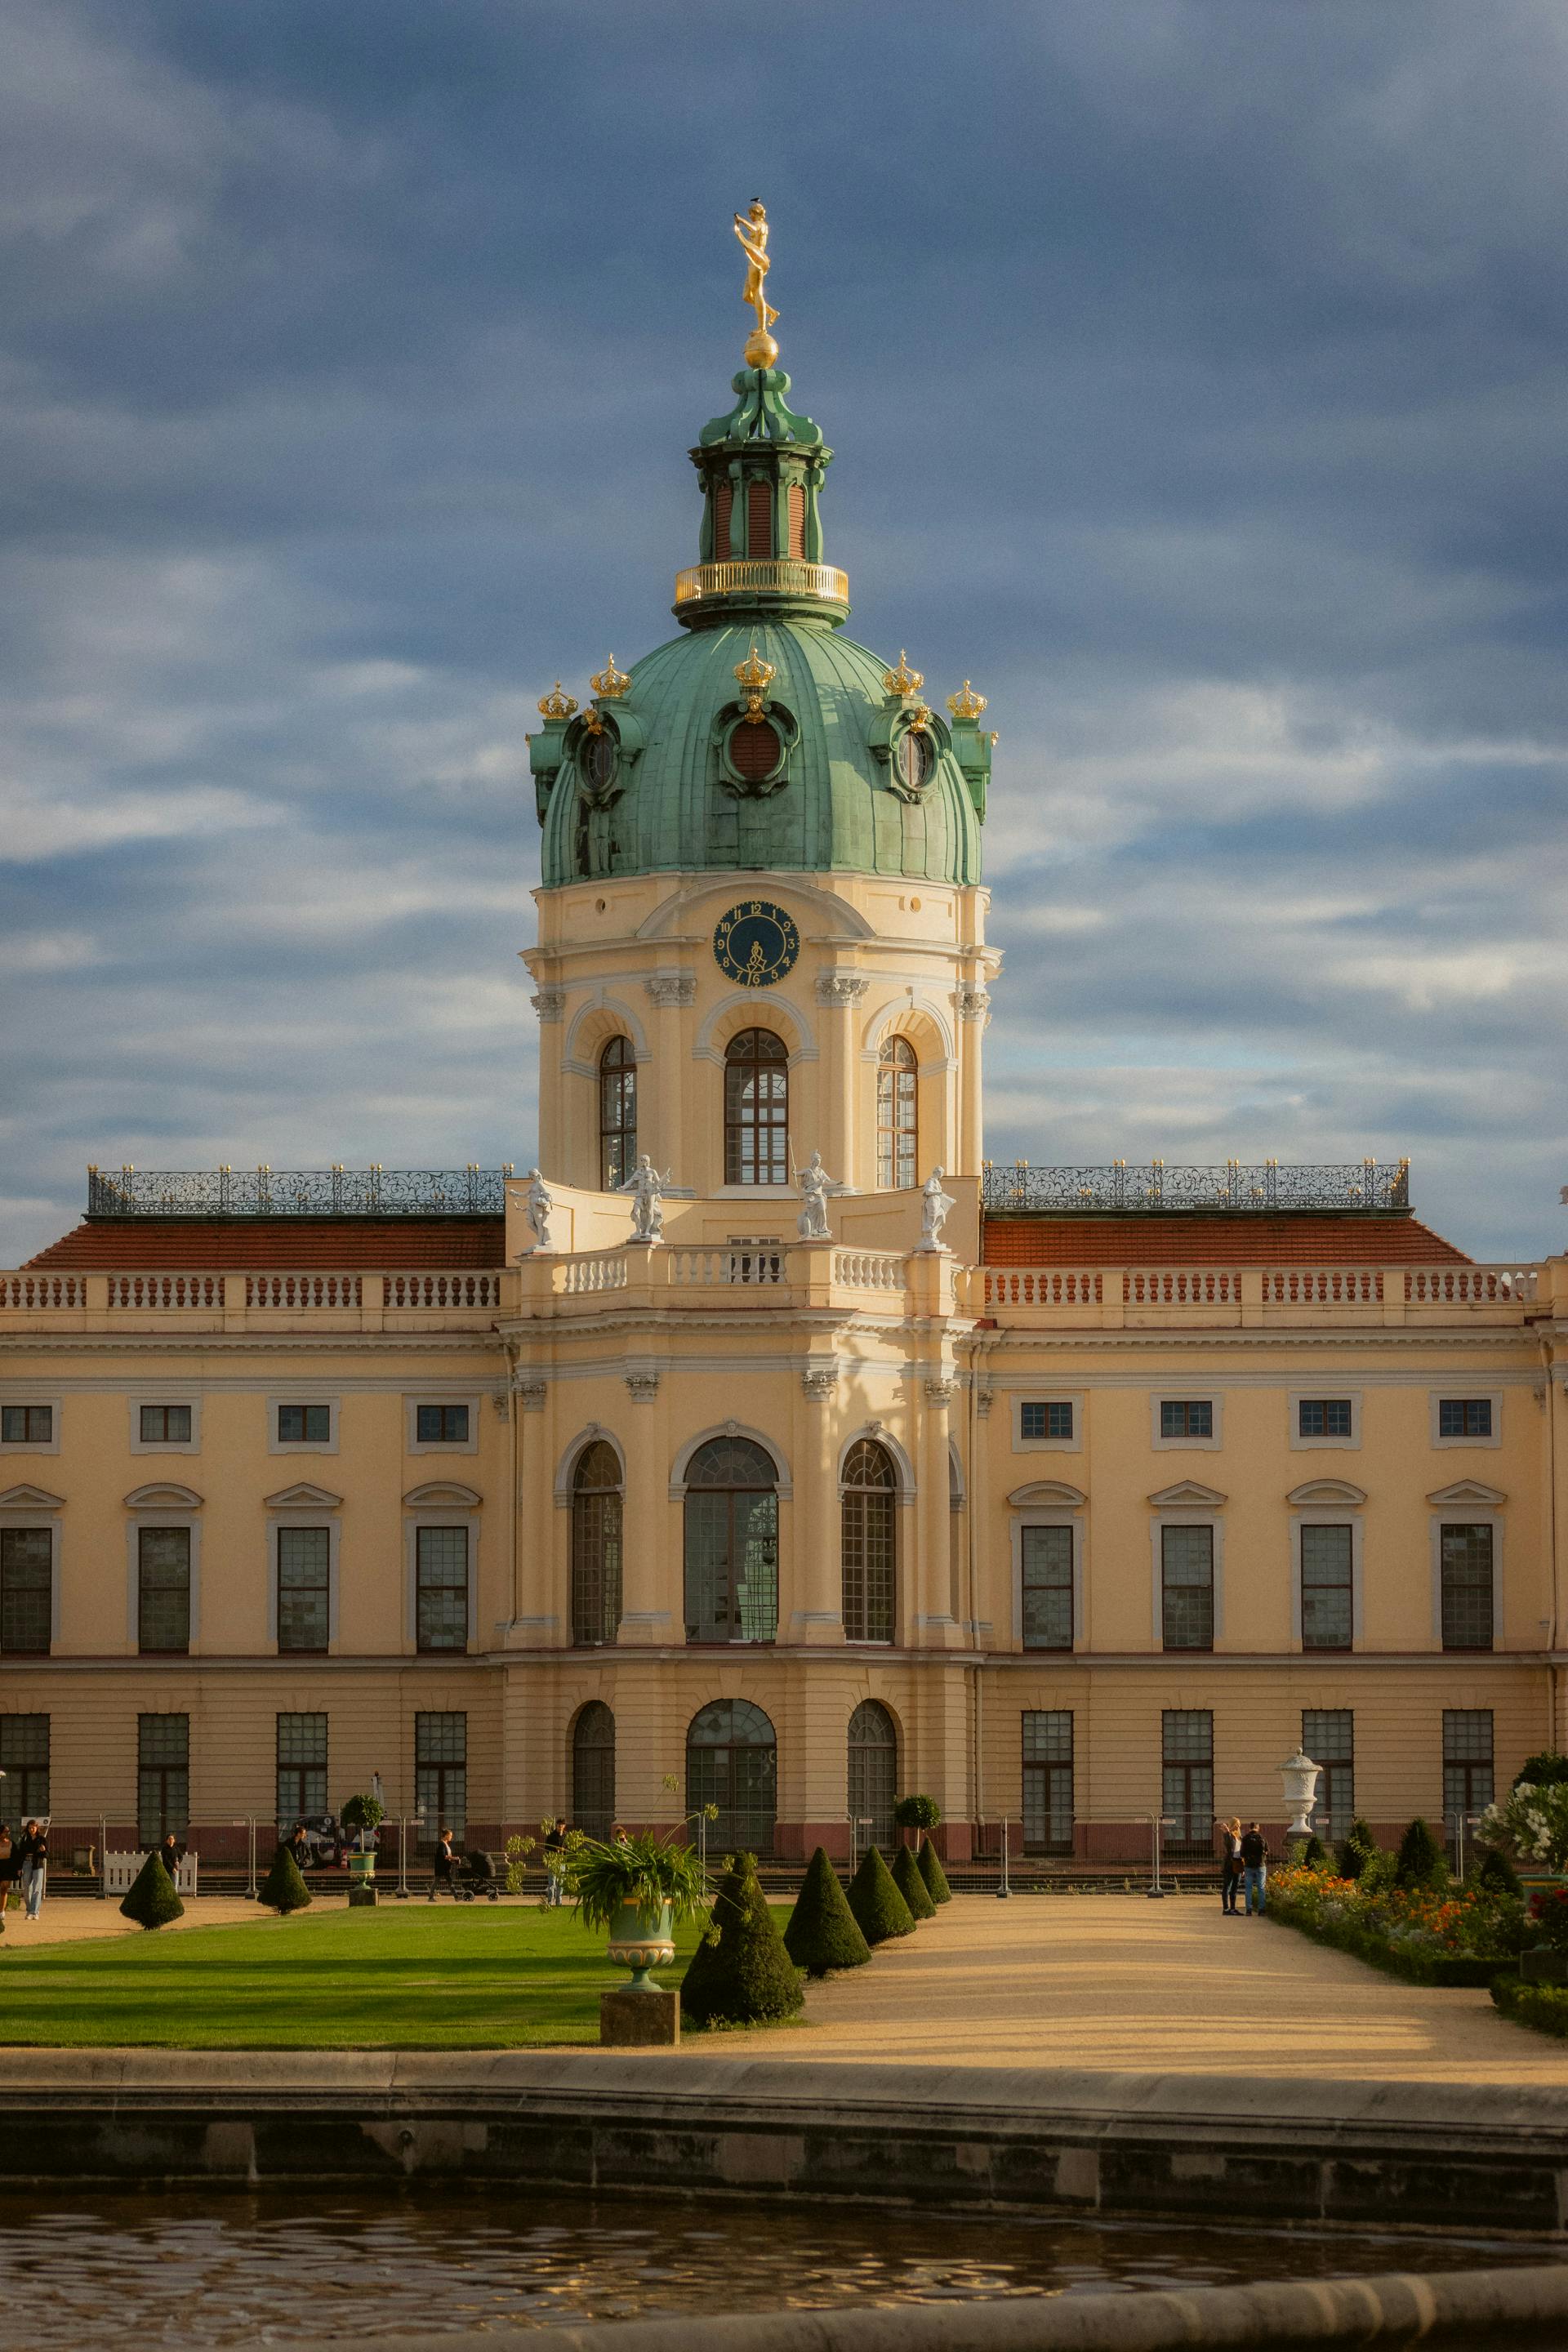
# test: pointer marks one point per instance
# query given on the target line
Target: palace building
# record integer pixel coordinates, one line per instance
(1070, 1496)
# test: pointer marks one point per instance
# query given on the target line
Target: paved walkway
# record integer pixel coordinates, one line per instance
(81, 1918)
(1117, 1981)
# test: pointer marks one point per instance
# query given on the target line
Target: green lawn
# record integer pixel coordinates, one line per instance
(405, 1977)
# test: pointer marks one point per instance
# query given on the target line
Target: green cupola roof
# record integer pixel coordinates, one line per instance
(763, 738)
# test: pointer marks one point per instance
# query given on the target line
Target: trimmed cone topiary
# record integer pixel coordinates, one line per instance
(879, 1909)
(284, 1889)
(700, 1966)
(1497, 1875)
(821, 1933)
(749, 1979)
(1421, 1860)
(1357, 1850)
(911, 1885)
(1315, 1854)
(932, 1870)
(152, 1901)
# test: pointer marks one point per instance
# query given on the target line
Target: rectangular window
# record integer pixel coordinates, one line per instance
(1186, 1417)
(26, 1591)
(1328, 1736)
(24, 1760)
(27, 1424)
(1328, 1615)
(1047, 1588)
(442, 1587)
(1039, 1420)
(442, 1424)
(301, 1769)
(162, 1776)
(163, 1569)
(1467, 1760)
(165, 1424)
(1323, 1417)
(304, 1424)
(1467, 1572)
(304, 1596)
(441, 1775)
(1048, 1782)
(1187, 1570)
(1186, 1758)
(1464, 1416)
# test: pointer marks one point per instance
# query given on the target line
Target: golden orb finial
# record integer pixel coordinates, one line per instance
(754, 677)
(557, 704)
(903, 680)
(609, 683)
(966, 704)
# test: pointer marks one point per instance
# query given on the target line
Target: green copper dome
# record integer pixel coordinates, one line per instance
(763, 738)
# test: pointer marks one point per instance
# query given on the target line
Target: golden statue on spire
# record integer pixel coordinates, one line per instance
(752, 232)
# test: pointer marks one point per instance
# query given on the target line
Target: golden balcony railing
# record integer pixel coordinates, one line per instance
(784, 575)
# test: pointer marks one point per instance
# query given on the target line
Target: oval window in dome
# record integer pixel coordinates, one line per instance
(597, 759)
(916, 759)
(754, 749)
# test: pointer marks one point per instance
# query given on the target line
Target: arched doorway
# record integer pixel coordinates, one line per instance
(593, 1770)
(596, 1545)
(866, 1543)
(732, 1762)
(873, 1775)
(731, 1543)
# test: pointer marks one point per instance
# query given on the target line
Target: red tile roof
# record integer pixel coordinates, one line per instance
(237, 1244)
(1211, 1239)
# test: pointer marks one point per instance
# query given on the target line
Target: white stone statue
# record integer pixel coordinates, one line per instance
(816, 1186)
(539, 1207)
(646, 1186)
(936, 1207)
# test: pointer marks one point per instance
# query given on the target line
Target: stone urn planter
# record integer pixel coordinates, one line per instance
(362, 1865)
(641, 1938)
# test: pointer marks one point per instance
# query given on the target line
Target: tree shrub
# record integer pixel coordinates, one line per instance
(1357, 1850)
(152, 1901)
(751, 1979)
(917, 1814)
(1545, 1771)
(1421, 1859)
(284, 1889)
(821, 1933)
(879, 1909)
(932, 1873)
(911, 1885)
(1313, 1854)
(1497, 1874)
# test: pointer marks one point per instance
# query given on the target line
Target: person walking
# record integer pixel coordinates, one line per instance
(1230, 1866)
(32, 1858)
(444, 1869)
(1255, 1868)
(554, 1851)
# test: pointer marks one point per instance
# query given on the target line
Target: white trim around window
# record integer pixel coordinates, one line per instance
(1072, 1398)
(161, 1507)
(1327, 1503)
(191, 1398)
(1327, 1389)
(303, 1394)
(1466, 1503)
(1185, 1505)
(30, 1506)
(303, 1506)
(15, 1392)
(1455, 1394)
(438, 1505)
(412, 1442)
(1213, 1398)
(1050, 1504)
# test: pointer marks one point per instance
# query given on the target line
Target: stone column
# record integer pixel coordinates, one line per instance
(841, 994)
(816, 1608)
(973, 1008)
(662, 1082)
(649, 1613)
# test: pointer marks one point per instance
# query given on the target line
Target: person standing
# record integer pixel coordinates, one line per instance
(299, 1845)
(1230, 1866)
(33, 1866)
(9, 1865)
(170, 1855)
(1255, 1868)
(554, 1852)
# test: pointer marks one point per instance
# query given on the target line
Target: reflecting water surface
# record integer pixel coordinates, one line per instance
(206, 2270)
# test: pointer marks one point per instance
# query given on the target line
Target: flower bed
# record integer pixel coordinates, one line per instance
(1462, 1936)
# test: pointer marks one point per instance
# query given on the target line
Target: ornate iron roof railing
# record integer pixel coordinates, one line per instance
(779, 575)
(297, 1192)
(1369, 1184)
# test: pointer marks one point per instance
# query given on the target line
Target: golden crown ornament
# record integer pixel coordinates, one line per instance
(903, 680)
(966, 704)
(557, 704)
(754, 677)
(610, 683)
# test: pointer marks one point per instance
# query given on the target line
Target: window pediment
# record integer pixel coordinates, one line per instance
(1468, 1491)
(1186, 1495)
(303, 1497)
(442, 1495)
(30, 1498)
(162, 1495)
(1320, 1492)
(1053, 1494)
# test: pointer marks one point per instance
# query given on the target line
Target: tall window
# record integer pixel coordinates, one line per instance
(1328, 1736)
(1467, 1569)
(732, 1762)
(24, 1760)
(757, 1109)
(163, 1574)
(1328, 1615)
(441, 1775)
(731, 1543)
(593, 1770)
(898, 1129)
(1186, 1568)
(618, 1113)
(1186, 1757)
(301, 1769)
(162, 1776)
(1048, 1781)
(441, 1587)
(796, 519)
(304, 1598)
(1467, 1759)
(596, 1545)
(867, 1542)
(873, 1774)
(27, 1595)
(1047, 1588)
(759, 517)
(723, 500)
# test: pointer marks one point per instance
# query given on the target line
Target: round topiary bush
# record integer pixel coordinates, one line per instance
(932, 1873)
(152, 1901)
(911, 1885)
(1421, 1859)
(821, 1933)
(921, 1813)
(879, 1909)
(751, 1979)
(284, 1888)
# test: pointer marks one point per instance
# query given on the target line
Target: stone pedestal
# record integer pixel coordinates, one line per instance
(361, 1896)
(639, 2021)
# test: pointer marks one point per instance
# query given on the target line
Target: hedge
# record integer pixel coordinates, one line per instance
(822, 1932)
(1545, 2006)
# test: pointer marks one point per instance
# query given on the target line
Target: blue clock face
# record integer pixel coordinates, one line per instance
(756, 943)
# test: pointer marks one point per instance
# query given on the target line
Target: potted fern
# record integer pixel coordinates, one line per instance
(640, 1888)
(361, 1816)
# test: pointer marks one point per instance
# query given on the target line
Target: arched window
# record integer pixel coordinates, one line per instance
(596, 1545)
(756, 1108)
(873, 1774)
(916, 759)
(593, 1771)
(618, 1112)
(867, 1547)
(731, 1543)
(898, 1116)
(732, 1762)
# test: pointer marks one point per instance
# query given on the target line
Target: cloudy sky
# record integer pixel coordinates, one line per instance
(1198, 372)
